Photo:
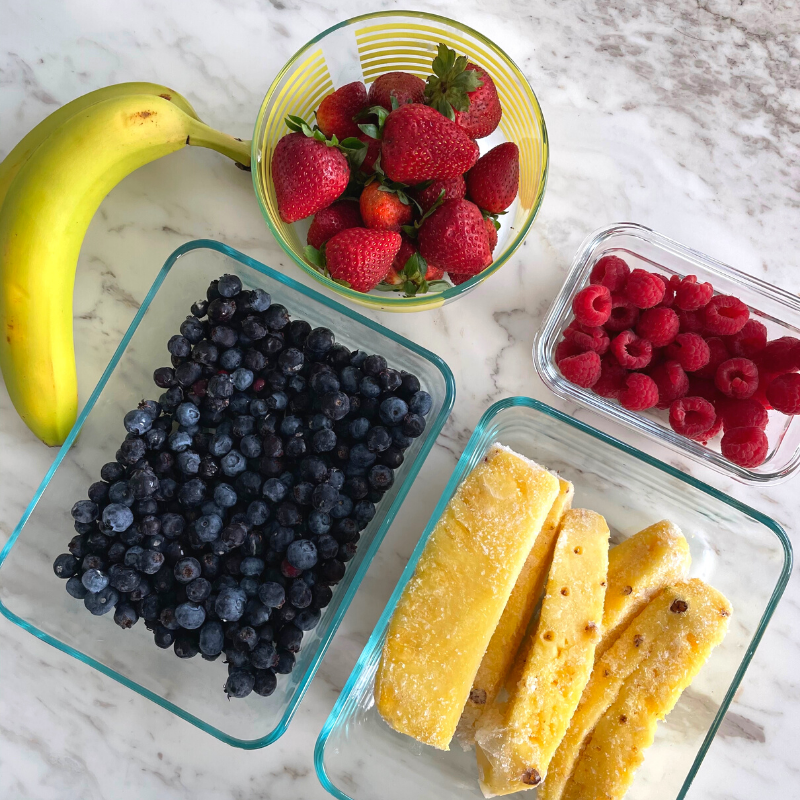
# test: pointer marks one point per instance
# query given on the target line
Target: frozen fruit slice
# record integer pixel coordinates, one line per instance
(618, 742)
(452, 604)
(510, 630)
(516, 742)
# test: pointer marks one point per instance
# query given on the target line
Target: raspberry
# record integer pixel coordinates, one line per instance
(737, 377)
(751, 339)
(611, 272)
(592, 305)
(624, 314)
(702, 387)
(746, 447)
(784, 393)
(658, 325)
(644, 289)
(691, 295)
(691, 350)
(781, 355)
(588, 338)
(612, 377)
(671, 380)
(725, 315)
(582, 370)
(705, 438)
(668, 300)
(640, 392)
(764, 382)
(631, 351)
(566, 348)
(691, 416)
(747, 413)
(691, 321)
(719, 353)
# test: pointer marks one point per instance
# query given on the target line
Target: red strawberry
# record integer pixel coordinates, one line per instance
(454, 189)
(491, 232)
(454, 238)
(373, 151)
(419, 144)
(403, 86)
(329, 221)
(336, 111)
(494, 181)
(362, 257)
(463, 92)
(456, 278)
(397, 277)
(308, 175)
(407, 249)
(383, 209)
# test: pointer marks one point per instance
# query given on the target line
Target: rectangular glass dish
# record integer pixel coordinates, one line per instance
(34, 598)
(736, 549)
(642, 248)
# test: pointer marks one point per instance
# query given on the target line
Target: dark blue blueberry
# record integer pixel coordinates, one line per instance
(208, 527)
(98, 493)
(257, 513)
(164, 377)
(288, 514)
(336, 478)
(362, 456)
(117, 517)
(76, 589)
(369, 387)
(125, 616)
(259, 408)
(150, 562)
(298, 331)
(250, 446)
(168, 618)
(338, 356)
(66, 565)
(319, 522)
(192, 493)
(186, 375)
(253, 328)
(392, 410)
(210, 507)
(352, 471)
(390, 380)
(307, 619)
(291, 425)
(188, 462)
(374, 365)
(409, 387)
(149, 608)
(357, 358)
(172, 525)
(132, 556)
(193, 330)
(323, 441)
(172, 398)
(257, 613)
(231, 359)
(121, 492)
(286, 662)
(99, 603)
(77, 545)
(212, 638)
(413, 425)
(246, 637)
(187, 414)
(277, 401)
(220, 444)
(221, 309)
(313, 469)
(210, 565)
(347, 551)
(379, 439)
(331, 571)
(274, 490)
(297, 384)
(234, 534)
(302, 554)
(342, 508)
(290, 361)
(271, 594)
(142, 590)
(300, 594)
(125, 578)
(185, 645)
(335, 405)
(392, 457)
(233, 463)
(324, 497)
(179, 441)
(364, 512)
(235, 658)
(239, 405)
(290, 638)
(229, 285)
(319, 422)
(190, 615)
(187, 569)
(420, 403)
(259, 300)
(345, 530)
(359, 428)
(179, 346)
(163, 637)
(230, 604)
(242, 379)
(190, 429)
(322, 595)
(264, 656)
(155, 438)
(295, 447)
(138, 422)
(225, 495)
(220, 387)
(400, 439)
(252, 566)
(350, 378)
(198, 590)
(319, 341)
(324, 382)
(240, 683)
(303, 492)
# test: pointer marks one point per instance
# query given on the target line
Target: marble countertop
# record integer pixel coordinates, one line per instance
(681, 115)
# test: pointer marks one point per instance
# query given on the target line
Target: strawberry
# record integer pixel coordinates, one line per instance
(407, 267)
(373, 151)
(383, 208)
(402, 86)
(454, 238)
(464, 93)
(454, 189)
(308, 175)
(336, 111)
(329, 221)
(419, 144)
(361, 257)
(494, 180)
(491, 232)
(457, 278)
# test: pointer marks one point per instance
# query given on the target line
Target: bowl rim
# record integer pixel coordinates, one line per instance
(422, 301)
(391, 512)
(458, 473)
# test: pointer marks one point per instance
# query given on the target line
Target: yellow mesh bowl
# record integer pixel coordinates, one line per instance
(363, 48)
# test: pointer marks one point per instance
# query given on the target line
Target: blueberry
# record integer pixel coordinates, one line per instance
(240, 683)
(101, 602)
(192, 493)
(125, 616)
(212, 638)
(198, 590)
(274, 490)
(143, 483)
(392, 410)
(187, 569)
(66, 565)
(208, 527)
(264, 656)
(229, 285)
(210, 565)
(117, 517)
(188, 374)
(276, 317)
(179, 440)
(235, 658)
(313, 469)
(277, 401)
(155, 438)
(220, 387)
(190, 615)
(233, 463)
(331, 571)
(259, 408)
(172, 525)
(211, 508)
(259, 300)
(253, 328)
(324, 382)
(369, 387)
(242, 379)
(76, 589)
(164, 377)
(290, 638)
(231, 359)
(230, 604)
(322, 596)
(359, 428)
(347, 551)
(168, 619)
(286, 662)
(250, 446)
(291, 425)
(323, 441)
(392, 457)
(324, 497)
(257, 613)
(271, 594)
(363, 512)
(247, 637)
(138, 422)
(288, 514)
(295, 447)
(300, 594)
(362, 456)
(187, 414)
(221, 309)
(390, 380)
(142, 590)
(85, 510)
(281, 538)
(413, 425)
(185, 645)
(400, 439)
(150, 562)
(302, 554)
(121, 492)
(252, 566)
(132, 556)
(220, 444)
(163, 637)
(345, 530)
(307, 619)
(149, 608)
(225, 496)
(126, 578)
(179, 346)
(379, 439)
(320, 340)
(298, 331)
(335, 405)
(290, 361)
(257, 513)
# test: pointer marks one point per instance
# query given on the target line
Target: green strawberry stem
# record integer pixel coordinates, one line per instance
(447, 90)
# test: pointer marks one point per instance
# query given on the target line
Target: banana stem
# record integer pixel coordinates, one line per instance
(201, 135)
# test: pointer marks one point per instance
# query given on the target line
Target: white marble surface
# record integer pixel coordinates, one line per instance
(682, 115)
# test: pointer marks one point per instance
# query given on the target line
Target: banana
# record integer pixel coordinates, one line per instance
(44, 218)
(11, 164)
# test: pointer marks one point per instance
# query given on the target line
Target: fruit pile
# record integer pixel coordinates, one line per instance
(238, 497)
(393, 178)
(671, 343)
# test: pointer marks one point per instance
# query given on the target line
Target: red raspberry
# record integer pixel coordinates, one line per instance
(725, 315)
(702, 387)
(566, 348)
(611, 272)
(784, 393)
(751, 339)
(737, 377)
(764, 382)
(588, 338)
(592, 305)
(658, 325)
(644, 289)
(631, 351)
(671, 380)
(612, 377)
(582, 370)
(691, 350)
(691, 416)
(719, 353)
(747, 413)
(746, 447)
(640, 392)
(705, 438)
(781, 355)
(668, 300)
(624, 314)
(691, 321)
(691, 295)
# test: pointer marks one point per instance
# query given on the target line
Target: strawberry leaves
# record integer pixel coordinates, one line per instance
(374, 131)
(447, 90)
(412, 230)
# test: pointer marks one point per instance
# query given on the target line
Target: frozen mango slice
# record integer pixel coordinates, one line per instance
(514, 744)
(616, 747)
(638, 568)
(453, 602)
(510, 630)
(650, 635)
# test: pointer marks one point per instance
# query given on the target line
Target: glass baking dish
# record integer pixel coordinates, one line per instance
(32, 597)
(738, 550)
(642, 248)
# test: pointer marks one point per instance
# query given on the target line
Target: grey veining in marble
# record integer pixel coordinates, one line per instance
(683, 115)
